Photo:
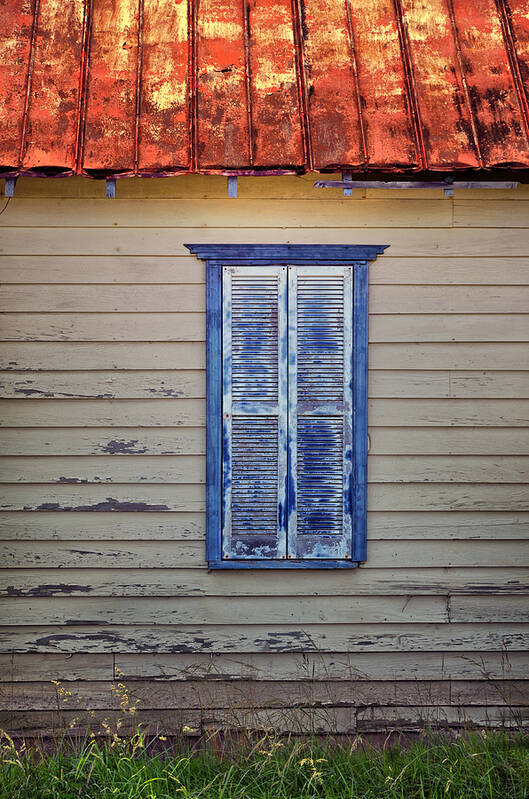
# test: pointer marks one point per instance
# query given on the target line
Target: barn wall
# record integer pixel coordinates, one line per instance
(103, 414)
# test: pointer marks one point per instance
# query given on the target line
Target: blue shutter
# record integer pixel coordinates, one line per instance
(320, 412)
(254, 412)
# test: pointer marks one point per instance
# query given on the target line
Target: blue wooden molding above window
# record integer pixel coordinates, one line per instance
(286, 465)
(286, 253)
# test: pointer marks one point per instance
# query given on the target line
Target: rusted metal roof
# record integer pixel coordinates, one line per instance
(236, 86)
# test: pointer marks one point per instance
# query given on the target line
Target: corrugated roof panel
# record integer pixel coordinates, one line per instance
(110, 115)
(276, 116)
(387, 114)
(516, 22)
(498, 119)
(445, 117)
(332, 85)
(223, 137)
(53, 100)
(16, 23)
(165, 86)
(164, 140)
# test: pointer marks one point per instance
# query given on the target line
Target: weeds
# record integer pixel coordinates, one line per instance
(475, 766)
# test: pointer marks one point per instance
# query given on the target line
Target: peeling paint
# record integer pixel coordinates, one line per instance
(110, 504)
(123, 447)
(47, 590)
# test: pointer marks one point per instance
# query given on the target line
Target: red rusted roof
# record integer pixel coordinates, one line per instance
(167, 86)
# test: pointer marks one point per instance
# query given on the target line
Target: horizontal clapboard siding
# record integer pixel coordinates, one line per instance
(102, 412)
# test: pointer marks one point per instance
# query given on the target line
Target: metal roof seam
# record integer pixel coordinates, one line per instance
(450, 5)
(83, 81)
(301, 76)
(411, 88)
(354, 67)
(137, 109)
(512, 55)
(29, 78)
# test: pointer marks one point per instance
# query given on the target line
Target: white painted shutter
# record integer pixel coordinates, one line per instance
(320, 412)
(254, 412)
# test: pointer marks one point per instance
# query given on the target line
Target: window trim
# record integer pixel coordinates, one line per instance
(218, 255)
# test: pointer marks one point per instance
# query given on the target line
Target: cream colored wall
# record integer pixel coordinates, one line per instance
(103, 382)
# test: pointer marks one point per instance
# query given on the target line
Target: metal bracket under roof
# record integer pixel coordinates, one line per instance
(10, 184)
(448, 185)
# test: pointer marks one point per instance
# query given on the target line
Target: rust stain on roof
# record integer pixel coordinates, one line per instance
(126, 87)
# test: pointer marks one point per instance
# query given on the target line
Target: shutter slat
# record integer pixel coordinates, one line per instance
(254, 413)
(320, 412)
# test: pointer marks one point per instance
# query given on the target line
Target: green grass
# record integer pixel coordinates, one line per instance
(475, 766)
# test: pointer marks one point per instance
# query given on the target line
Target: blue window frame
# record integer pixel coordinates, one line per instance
(286, 341)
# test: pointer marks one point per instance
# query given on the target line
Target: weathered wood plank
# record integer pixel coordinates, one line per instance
(308, 720)
(101, 469)
(130, 582)
(248, 694)
(191, 497)
(174, 326)
(86, 526)
(163, 526)
(439, 469)
(180, 383)
(253, 213)
(446, 270)
(348, 638)
(49, 723)
(101, 498)
(385, 299)
(182, 554)
(104, 441)
(485, 364)
(101, 413)
(484, 213)
(284, 666)
(191, 441)
(188, 269)
(106, 269)
(192, 469)
(140, 384)
(385, 719)
(23, 668)
(481, 525)
(412, 383)
(117, 357)
(174, 412)
(232, 610)
(436, 242)
(490, 692)
(253, 694)
(103, 385)
(444, 441)
(489, 384)
(109, 298)
(96, 327)
(489, 609)
(115, 268)
(453, 496)
(456, 355)
(436, 327)
(448, 413)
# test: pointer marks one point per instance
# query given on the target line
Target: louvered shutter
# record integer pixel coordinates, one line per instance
(255, 391)
(320, 412)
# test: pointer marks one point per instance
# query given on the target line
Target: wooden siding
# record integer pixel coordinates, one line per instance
(102, 351)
